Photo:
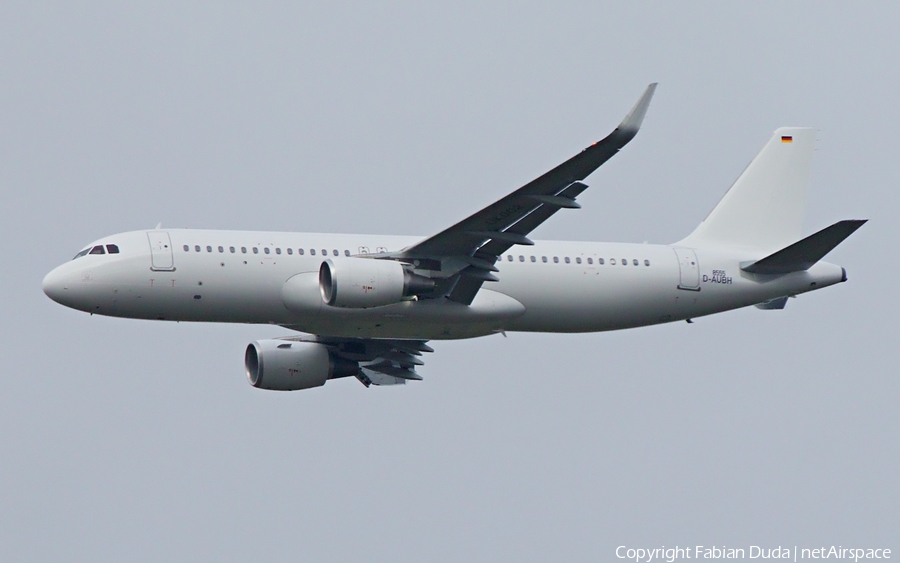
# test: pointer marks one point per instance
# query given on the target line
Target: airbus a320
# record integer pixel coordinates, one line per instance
(365, 306)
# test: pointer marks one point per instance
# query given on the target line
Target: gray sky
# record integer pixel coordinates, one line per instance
(142, 441)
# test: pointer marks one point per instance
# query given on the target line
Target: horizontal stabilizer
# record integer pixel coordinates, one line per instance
(803, 254)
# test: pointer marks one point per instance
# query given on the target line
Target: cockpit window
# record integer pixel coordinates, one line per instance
(112, 248)
(97, 250)
(82, 253)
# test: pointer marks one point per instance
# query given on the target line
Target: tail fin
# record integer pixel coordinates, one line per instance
(764, 207)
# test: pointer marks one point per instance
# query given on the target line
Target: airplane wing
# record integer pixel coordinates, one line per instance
(460, 259)
(465, 254)
(381, 361)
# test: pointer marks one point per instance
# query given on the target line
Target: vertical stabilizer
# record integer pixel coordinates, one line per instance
(764, 207)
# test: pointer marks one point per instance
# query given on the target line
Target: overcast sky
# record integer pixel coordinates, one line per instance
(128, 440)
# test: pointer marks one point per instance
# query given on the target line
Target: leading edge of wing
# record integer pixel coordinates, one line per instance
(467, 236)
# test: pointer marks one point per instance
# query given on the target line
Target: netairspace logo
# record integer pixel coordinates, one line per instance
(795, 553)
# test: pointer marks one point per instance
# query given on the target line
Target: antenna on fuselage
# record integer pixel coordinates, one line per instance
(159, 226)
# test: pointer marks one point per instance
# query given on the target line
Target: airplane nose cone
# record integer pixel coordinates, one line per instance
(54, 286)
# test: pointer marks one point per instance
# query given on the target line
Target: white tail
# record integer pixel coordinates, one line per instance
(764, 207)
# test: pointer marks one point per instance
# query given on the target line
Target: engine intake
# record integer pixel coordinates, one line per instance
(360, 283)
(282, 365)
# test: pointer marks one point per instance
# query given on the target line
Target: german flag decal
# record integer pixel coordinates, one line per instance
(787, 139)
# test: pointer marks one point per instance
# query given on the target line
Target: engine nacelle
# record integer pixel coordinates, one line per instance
(360, 283)
(282, 365)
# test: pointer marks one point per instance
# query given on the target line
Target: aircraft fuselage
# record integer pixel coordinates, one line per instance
(553, 286)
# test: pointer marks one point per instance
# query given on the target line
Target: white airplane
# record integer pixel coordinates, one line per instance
(368, 303)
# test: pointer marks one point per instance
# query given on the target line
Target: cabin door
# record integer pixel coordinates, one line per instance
(160, 251)
(689, 269)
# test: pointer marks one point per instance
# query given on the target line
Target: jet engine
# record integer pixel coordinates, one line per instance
(360, 283)
(282, 365)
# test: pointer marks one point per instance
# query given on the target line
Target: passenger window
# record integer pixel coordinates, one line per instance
(521, 258)
(255, 250)
(646, 262)
(187, 248)
(346, 253)
(556, 259)
(324, 252)
(98, 250)
(231, 249)
(266, 250)
(290, 250)
(509, 258)
(624, 261)
(221, 250)
(612, 261)
(112, 249)
(590, 260)
(209, 249)
(243, 250)
(300, 251)
(533, 259)
(312, 251)
(196, 248)
(335, 252)
(635, 262)
(544, 259)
